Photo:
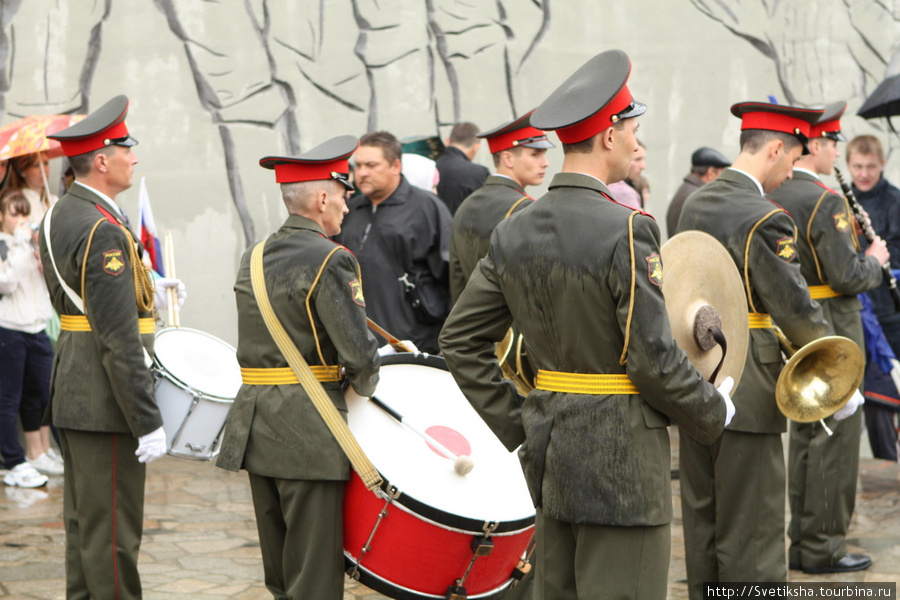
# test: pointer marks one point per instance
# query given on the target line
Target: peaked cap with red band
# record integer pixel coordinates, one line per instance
(103, 127)
(829, 124)
(517, 133)
(776, 117)
(590, 100)
(330, 160)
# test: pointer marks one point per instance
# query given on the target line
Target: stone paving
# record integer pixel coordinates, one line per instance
(200, 536)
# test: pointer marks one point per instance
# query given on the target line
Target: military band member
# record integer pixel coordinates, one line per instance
(520, 157)
(101, 394)
(822, 468)
(297, 469)
(581, 276)
(732, 491)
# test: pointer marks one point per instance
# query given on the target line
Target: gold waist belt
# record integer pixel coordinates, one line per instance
(760, 321)
(284, 375)
(80, 323)
(817, 292)
(584, 383)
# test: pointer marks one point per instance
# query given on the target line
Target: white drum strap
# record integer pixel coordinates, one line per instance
(313, 388)
(74, 297)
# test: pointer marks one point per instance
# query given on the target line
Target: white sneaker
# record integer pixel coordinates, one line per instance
(46, 465)
(55, 456)
(24, 475)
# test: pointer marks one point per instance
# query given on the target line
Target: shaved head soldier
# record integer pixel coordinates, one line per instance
(594, 444)
(296, 467)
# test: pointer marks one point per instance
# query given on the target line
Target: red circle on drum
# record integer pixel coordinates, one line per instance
(451, 439)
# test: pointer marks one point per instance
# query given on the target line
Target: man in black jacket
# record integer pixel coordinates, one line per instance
(459, 175)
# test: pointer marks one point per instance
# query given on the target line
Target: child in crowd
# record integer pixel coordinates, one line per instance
(25, 350)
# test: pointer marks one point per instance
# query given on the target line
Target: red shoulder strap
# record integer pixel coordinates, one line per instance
(109, 216)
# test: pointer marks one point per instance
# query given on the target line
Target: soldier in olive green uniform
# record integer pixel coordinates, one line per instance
(101, 393)
(732, 492)
(581, 276)
(822, 468)
(297, 469)
(519, 152)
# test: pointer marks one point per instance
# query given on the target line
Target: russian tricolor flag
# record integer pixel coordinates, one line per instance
(149, 239)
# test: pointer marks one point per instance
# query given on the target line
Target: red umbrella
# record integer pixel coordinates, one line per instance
(29, 135)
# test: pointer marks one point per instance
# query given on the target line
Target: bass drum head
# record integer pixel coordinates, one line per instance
(419, 387)
(198, 361)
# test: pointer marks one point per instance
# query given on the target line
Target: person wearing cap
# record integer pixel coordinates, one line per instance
(520, 157)
(102, 392)
(401, 236)
(581, 277)
(459, 175)
(296, 468)
(732, 492)
(822, 468)
(706, 165)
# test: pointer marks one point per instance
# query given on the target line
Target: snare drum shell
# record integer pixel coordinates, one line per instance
(413, 557)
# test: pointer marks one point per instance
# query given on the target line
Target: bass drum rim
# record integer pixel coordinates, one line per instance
(443, 518)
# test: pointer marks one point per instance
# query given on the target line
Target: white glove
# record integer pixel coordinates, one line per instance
(847, 410)
(162, 298)
(724, 390)
(387, 350)
(151, 446)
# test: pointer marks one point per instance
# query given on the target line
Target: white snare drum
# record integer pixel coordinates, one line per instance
(419, 544)
(197, 379)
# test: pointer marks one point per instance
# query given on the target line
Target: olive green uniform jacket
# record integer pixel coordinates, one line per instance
(100, 379)
(475, 220)
(315, 290)
(761, 239)
(822, 469)
(581, 276)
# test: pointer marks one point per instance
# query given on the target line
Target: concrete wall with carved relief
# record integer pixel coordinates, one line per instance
(214, 86)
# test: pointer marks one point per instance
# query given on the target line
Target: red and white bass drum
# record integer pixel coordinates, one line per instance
(429, 532)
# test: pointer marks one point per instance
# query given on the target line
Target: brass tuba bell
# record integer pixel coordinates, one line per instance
(819, 378)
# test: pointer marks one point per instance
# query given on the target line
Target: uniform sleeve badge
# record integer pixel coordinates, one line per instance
(785, 249)
(841, 223)
(357, 293)
(654, 269)
(113, 262)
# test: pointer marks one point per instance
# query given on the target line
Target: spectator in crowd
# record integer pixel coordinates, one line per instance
(881, 200)
(459, 175)
(401, 236)
(706, 165)
(25, 352)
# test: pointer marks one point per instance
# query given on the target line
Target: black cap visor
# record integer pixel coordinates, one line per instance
(126, 141)
(635, 109)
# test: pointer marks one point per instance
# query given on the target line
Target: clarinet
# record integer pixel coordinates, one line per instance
(863, 219)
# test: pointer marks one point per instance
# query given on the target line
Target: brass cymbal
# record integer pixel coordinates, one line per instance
(703, 289)
(819, 379)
